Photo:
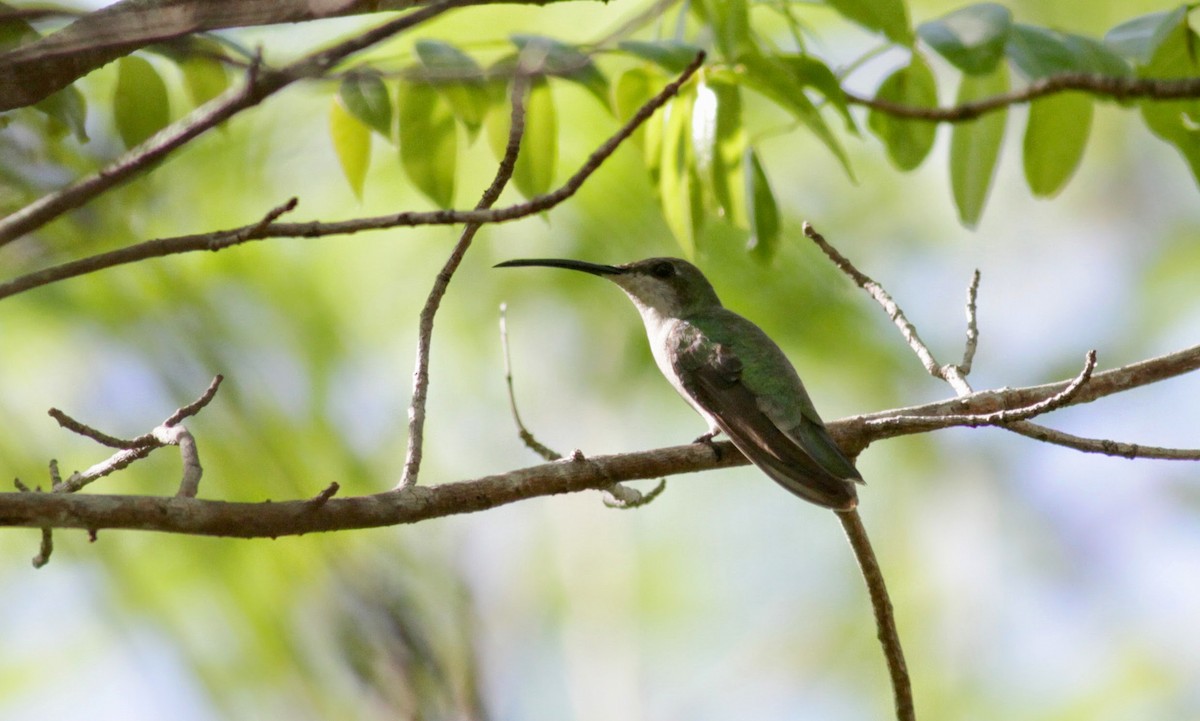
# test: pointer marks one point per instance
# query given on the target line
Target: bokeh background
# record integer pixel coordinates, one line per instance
(1030, 581)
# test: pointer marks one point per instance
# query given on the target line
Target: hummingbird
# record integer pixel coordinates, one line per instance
(732, 374)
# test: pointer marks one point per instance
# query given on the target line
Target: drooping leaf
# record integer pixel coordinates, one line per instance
(352, 143)
(69, 109)
(675, 184)
(1138, 38)
(459, 79)
(764, 220)
(553, 57)
(812, 73)
(775, 80)
(536, 162)
(428, 142)
(728, 170)
(140, 105)
(971, 38)
(204, 77)
(365, 96)
(1176, 121)
(1055, 138)
(908, 142)
(889, 17)
(730, 22)
(975, 146)
(670, 55)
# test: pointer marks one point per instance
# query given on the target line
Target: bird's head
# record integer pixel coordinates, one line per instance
(667, 287)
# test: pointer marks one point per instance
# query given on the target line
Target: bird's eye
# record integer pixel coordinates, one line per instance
(663, 270)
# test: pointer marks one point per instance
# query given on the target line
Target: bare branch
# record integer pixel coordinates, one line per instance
(972, 326)
(1102, 446)
(260, 83)
(885, 618)
(84, 429)
(1117, 88)
(416, 409)
(1001, 417)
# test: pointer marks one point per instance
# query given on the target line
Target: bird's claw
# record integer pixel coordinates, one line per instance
(707, 439)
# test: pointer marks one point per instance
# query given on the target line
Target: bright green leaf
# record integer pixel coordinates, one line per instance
(971, 38)
(729, 166)
(352, 143)
(1055, 138)
(1093, 56)
(775, 80)
(1138, 38)
(428, 142)
(459, 79)
(889, 17)
(908, 142)
(1176, 121)
(764, 222)
(140, 105)
(205, 78)
(365, 96)
(556, 58)
(675, 185)
(670, 55)
(975, 146)
(536, 162)
(69, 109)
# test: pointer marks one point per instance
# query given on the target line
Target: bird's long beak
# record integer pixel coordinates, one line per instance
(593, 268)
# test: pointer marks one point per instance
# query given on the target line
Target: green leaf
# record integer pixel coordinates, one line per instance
(556, 58)
(459, 79)
(975, 146)
(69, 109)
(352, 143)
(812, 73)
(728, 159)
(1055, 138)
(971, 38)
(775, 80)
(140, 105)
(908, 142)
(1041, 53)
(365, 96)
(670, 55)
(428, 142)
(536, 162)
(675, 184)
(1176, 121)
(730, 22)
(1138, 38)
(889, 17)
(204, 77)
(764, 223)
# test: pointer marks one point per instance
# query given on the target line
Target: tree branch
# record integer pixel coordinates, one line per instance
(1116, 88)
(260, 83)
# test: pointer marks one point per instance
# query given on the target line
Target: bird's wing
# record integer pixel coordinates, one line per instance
(712, 374)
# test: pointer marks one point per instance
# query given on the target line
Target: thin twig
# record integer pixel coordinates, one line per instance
(46, 547)
(416, 409)
(885, 619)
(1103, 446)
(1117, 88)
(972, 326)
(1001, 417)
(260, 83)
(615, 496)
(316, 229)
(84, 429)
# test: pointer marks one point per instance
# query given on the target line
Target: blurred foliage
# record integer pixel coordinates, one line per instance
(1009, 563)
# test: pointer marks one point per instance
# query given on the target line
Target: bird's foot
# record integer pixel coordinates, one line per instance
(707, 439)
